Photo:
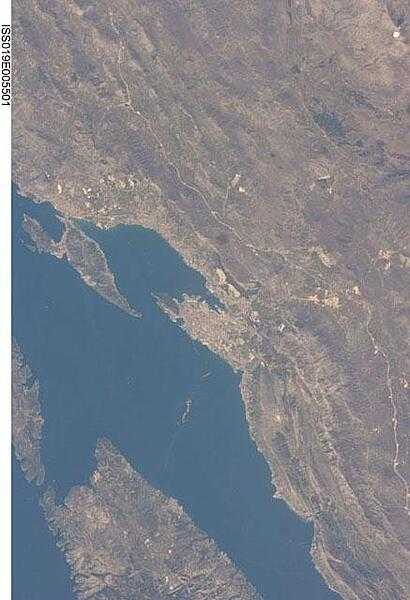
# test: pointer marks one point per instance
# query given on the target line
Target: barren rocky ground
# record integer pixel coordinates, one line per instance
(268, 142)
(124, 539)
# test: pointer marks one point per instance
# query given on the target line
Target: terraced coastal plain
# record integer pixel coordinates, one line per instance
(268, 143)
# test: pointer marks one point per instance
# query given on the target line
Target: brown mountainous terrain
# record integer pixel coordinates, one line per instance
(268, 142)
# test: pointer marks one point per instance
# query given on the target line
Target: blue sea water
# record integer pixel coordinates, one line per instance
(105, 373)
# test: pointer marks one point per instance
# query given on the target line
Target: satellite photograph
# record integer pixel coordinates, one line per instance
(210, 299)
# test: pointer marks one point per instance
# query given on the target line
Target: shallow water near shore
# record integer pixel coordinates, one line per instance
(105, 373)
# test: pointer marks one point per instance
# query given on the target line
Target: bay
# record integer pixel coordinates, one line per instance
(105, 373)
